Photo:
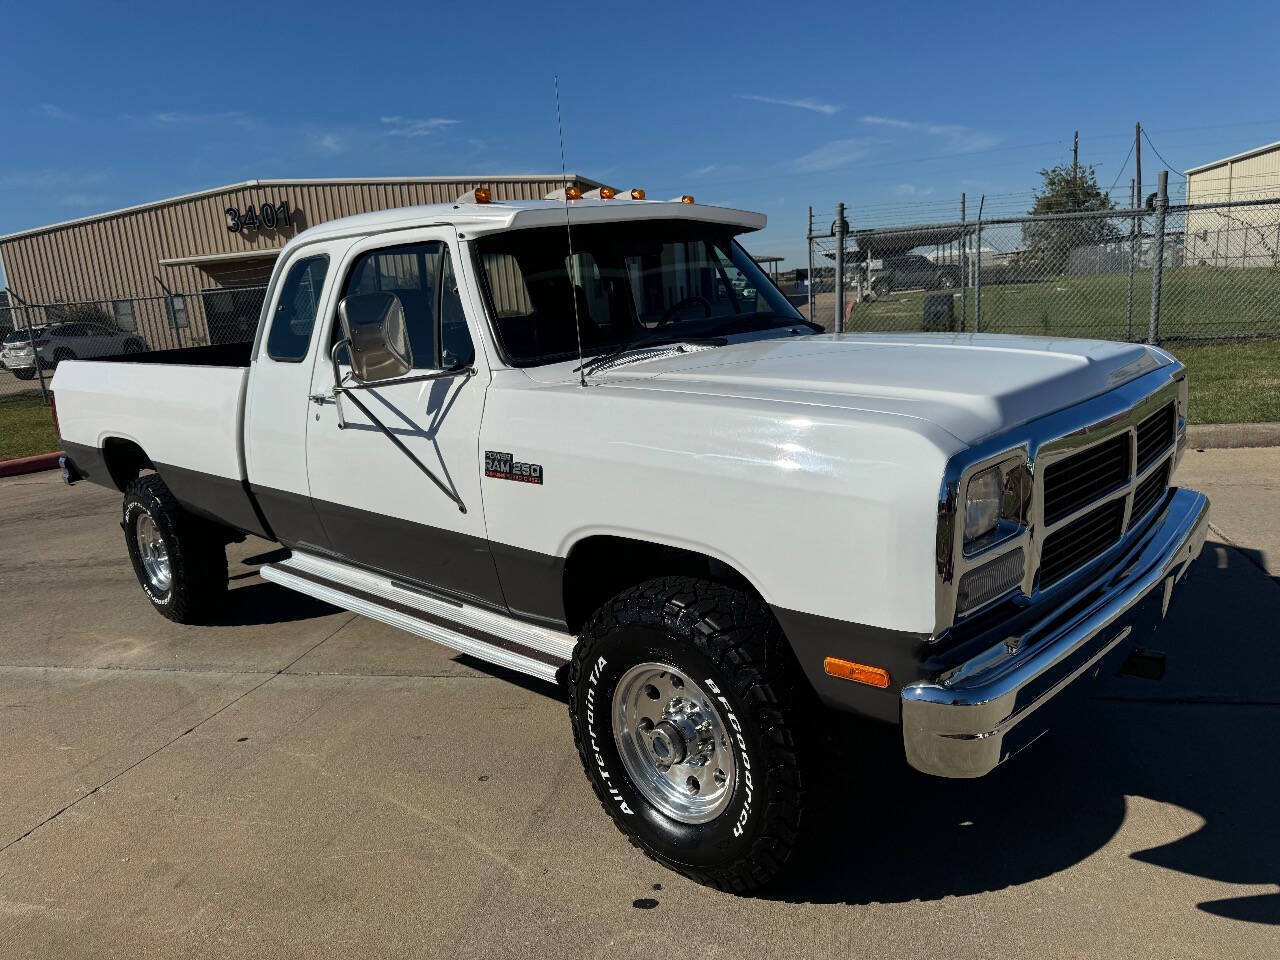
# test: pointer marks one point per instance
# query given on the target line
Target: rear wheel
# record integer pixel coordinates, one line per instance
(25, 373)
(880, 288)
(946, 281)
(684, 710)
(179, 559)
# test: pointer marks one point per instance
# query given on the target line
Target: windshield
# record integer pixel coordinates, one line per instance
(632, 281)
(21, 336)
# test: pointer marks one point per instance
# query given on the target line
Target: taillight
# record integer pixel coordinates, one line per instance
(53, 410)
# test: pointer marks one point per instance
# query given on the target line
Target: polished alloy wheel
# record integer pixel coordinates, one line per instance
(153, 553)
(673, 742)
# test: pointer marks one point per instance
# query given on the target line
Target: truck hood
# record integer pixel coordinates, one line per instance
(971, 385)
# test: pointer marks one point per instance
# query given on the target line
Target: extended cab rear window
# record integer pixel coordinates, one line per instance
(295, 314)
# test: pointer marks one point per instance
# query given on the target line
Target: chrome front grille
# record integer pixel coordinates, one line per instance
(1080, 541)
(1093, 472)
(1081, 479)
(1155, 435)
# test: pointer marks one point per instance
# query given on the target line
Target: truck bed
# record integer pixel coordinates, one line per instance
(184, 416)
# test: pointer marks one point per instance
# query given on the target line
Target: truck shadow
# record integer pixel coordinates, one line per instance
(1205, 739)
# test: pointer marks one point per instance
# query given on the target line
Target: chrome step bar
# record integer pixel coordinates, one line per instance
(492, 637)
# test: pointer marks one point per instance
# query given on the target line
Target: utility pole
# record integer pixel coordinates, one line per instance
(1137, 152)
(1075, 157)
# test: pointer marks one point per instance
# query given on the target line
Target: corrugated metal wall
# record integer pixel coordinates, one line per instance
(1239, 237)
(117, 257)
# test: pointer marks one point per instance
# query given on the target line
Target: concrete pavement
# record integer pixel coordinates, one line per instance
(299, 781)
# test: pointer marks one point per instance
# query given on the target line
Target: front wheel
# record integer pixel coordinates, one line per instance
(684, 713)
(25, 373)
(179, 559)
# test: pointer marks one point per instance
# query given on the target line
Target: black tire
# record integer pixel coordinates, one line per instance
(946, 281)
(25, 374)
(197, 553)
(880, 288)
(729, 641)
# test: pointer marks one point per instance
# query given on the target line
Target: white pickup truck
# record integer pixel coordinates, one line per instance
(588, 439)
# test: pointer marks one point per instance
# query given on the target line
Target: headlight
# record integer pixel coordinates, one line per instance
(982, 502)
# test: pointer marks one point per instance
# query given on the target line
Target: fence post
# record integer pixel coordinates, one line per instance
(1157, 266)
(1133, 256)
(977, 272)
(809, 237)
(964, 268)
(31, 337)
(839, 230)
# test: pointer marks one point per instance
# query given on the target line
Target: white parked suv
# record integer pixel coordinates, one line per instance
(68, 340)
(607, 465)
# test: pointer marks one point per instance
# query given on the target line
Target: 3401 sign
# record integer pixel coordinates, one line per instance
(267, 217)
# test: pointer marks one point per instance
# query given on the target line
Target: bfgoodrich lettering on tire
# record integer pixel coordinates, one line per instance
(180, 560)
(683, 706)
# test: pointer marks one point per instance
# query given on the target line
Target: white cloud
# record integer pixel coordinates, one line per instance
(50, 179)
(959, 138)
(911, 190)
(832, 156)
(55, 112)
(801, 103)
(329, 143)
(82, 200)
(184, 118)
(410, 127)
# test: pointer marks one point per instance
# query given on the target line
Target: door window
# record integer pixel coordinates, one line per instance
(295, 314)
(421, 276)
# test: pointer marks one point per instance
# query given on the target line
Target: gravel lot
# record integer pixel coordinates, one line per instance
(301, 782)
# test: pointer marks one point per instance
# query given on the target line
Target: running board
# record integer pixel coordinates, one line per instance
(479, 633)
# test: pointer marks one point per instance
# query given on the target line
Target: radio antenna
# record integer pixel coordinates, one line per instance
(568, 229)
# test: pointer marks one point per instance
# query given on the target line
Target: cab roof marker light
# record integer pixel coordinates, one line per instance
(570, 192)
(683, 198)
(601, 193)
(478, 195)
(636, 193)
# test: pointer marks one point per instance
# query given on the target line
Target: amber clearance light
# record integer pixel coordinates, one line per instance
(857, 672)
(607, 193)
(573, 192)
(637, 194)
(483, 195)
(686, 198)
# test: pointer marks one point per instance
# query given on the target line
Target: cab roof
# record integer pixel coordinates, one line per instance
(479, 219)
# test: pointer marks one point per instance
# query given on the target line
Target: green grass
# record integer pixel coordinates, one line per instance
(26, 428)
(1233, 383)
(1196, 302)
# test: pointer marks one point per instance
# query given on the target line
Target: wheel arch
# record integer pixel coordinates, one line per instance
(124, 459)
(602, 565)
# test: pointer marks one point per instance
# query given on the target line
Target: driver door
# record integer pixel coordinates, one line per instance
(376, 506)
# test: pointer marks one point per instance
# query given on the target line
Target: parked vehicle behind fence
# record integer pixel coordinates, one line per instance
(71, 340)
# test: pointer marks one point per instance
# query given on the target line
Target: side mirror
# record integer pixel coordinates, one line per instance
(374, 326)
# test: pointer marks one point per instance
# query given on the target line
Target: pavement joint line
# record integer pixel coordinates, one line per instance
(1242, 551)
(164, 746)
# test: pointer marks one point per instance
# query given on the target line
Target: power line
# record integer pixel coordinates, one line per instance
(1123, 166)
(1169, 166)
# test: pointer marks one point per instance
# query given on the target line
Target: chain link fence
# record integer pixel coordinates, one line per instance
(85, 329)
(1168, 273)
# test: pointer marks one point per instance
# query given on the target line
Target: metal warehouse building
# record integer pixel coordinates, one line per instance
(191, 270)
(1243, 236)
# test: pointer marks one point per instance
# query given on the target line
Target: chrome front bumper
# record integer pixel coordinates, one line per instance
(966, 723)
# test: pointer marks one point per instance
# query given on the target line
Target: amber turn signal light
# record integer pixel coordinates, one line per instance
(857, 672)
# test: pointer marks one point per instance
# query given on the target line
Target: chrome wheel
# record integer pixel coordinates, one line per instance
(153, 553)
(673, 742)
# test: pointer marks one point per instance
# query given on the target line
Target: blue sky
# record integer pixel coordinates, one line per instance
(893, 108)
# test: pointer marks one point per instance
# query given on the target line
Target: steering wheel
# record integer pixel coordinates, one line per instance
(669, 316)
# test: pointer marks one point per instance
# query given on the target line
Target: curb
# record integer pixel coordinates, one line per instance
(1219, 436)
(41, 461)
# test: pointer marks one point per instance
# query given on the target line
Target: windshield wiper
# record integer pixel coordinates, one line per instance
(654, 340)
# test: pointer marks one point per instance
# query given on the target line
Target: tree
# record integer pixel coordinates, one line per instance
(1067, 190)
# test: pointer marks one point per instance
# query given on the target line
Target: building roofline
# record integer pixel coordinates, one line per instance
(1234, 157)
(320, 181)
